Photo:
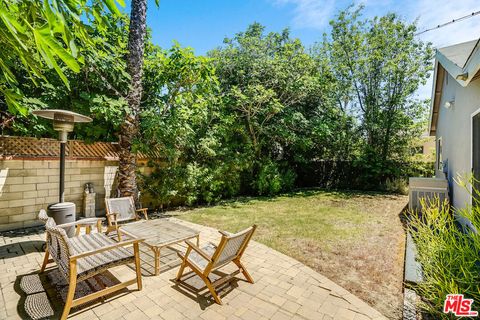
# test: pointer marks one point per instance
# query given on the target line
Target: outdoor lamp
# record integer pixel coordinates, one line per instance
(63, 122)
(449, 104)
(462, 76)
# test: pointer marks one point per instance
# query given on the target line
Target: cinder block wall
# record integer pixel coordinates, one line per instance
(26, 186)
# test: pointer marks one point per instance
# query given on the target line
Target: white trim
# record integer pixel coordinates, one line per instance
(473, 114)
(450, 68)
(471, 67)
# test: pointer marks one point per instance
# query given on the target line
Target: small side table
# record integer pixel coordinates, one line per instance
(87, 223)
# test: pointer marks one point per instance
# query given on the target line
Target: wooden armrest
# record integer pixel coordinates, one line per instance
(106, 248)
(223, 233)
(199, 251)
(78, 223)
(94, 219)
(110, 216)
(144, 211)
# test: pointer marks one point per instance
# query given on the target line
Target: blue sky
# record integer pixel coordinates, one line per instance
(203, 24)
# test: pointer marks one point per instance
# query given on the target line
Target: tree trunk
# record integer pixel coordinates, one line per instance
(127, 182)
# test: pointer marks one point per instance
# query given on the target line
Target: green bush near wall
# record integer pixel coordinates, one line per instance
(448, 250)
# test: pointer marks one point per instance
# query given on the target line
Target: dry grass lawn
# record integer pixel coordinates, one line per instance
(355, 239)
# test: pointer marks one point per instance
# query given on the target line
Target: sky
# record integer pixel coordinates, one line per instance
(203, 24)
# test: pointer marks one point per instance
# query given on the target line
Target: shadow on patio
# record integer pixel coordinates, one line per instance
(283, 289)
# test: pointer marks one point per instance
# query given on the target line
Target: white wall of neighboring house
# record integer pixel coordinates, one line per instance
(454, 128)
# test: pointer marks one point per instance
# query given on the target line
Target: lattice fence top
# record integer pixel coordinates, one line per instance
(28, 147)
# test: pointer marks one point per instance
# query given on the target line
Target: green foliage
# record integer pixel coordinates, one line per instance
(99, 87)
(272, 180)
(280, 95)
(379, 64)
(182, 119)
(250, 116)
(397, 185)
(276, 90)
(41, 36)
(447, 253)
(237, 121)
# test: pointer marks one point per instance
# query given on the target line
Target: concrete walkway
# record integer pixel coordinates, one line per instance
(283, 289)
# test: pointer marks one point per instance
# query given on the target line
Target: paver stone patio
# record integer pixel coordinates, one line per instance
(284, 288)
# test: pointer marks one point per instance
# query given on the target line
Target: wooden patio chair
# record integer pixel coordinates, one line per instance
(211, 257)
(82, 257)
(121, 210)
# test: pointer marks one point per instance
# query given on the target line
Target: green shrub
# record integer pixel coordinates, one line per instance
(397, 185)
(269, 181)
(272, 179)
(177, 183)
(448, 253)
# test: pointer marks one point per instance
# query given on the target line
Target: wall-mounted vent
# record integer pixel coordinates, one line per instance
(428, 189)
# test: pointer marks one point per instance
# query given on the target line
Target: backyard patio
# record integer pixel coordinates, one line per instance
(284, 288)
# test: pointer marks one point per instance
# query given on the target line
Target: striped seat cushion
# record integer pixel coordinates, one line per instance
(100, 262)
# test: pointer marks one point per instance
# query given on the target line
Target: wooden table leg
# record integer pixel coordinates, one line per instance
(88, 229)
(198, 240)
(157, 261)
(99, 226)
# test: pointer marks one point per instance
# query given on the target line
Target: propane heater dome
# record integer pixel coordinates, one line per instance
(63, 120)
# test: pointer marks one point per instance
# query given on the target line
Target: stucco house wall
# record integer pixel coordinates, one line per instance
(455, 130)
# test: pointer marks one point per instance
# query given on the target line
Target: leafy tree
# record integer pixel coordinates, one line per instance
(182, 120)
(248, 118)
(38, 35)
(261, 76)
(280, 95)
(98, 89)
(380, 65)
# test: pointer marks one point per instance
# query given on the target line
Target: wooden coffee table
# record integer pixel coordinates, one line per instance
(159, 233)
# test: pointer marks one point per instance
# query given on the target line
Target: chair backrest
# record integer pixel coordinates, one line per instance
(58, 246)
(124, 208)
(232, 246)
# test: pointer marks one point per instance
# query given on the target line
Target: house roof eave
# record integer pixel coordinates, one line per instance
(465, 75)
(472, 66)
(439, 75)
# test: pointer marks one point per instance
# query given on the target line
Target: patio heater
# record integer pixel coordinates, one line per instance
(63, 122)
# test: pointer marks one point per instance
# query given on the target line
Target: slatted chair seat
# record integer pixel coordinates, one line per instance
(212, 257)
(91, 265)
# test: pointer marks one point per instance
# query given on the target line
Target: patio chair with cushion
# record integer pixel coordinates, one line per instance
(203, 261)
(122, 210)
(82, 257)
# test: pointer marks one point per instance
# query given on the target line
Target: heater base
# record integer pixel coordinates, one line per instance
(63, 212)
